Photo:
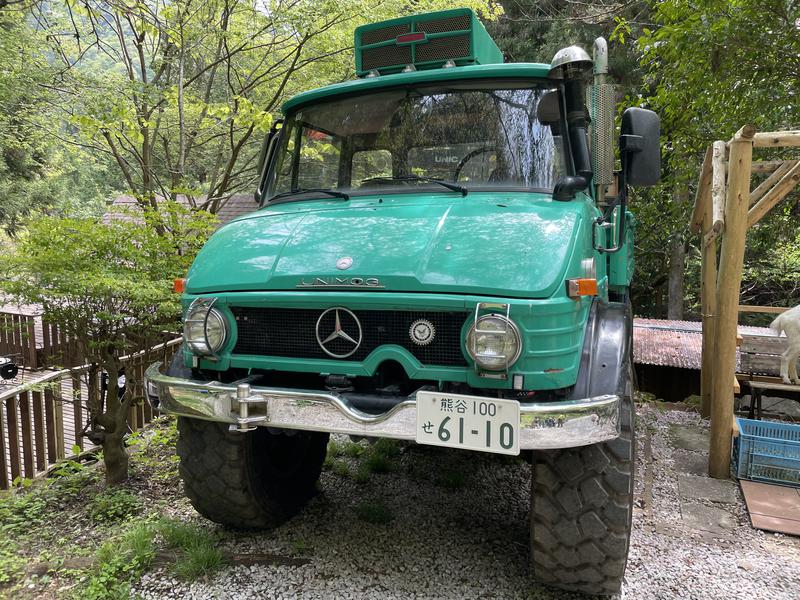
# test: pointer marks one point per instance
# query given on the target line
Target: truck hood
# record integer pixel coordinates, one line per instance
(505, 244)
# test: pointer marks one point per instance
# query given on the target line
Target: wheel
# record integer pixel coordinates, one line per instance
(581, 509)
(252, 480)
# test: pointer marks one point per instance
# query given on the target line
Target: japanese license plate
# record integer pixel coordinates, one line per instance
(470, 422)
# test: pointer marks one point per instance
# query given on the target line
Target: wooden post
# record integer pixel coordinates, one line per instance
(702, 197)
(718, 169)
(27, 434)
(58, 416)
(50, 423)
(727, 315)
(13, 437)
(708, 303)
(77, 409)
(4, 480)
(30, 337)
(38, 432)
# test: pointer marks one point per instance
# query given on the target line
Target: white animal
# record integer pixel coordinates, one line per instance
(789, 323)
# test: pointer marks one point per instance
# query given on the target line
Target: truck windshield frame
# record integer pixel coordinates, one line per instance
(482, 135)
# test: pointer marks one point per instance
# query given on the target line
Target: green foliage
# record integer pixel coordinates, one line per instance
(107, 286)
(197, 550)
(341, 468)
(113, 505)
(120, 561)
(374, 512)
(123, 559)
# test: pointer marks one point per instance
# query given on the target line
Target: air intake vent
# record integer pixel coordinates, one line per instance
(426, 41)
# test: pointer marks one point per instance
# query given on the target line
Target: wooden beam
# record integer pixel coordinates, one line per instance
(703, 195)
(765, 166)
(776, 139)
(786, 184)
(773, 310)
(737, 389)
(770, 181)
(728, 290)
(718, 187)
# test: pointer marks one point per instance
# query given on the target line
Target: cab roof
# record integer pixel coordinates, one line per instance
(357, 86)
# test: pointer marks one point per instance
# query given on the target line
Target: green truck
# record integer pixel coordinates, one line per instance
(442, 255)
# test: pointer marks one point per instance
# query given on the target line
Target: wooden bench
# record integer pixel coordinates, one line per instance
(760, 368)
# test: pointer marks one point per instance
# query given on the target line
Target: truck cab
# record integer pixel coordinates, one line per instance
(434, 257)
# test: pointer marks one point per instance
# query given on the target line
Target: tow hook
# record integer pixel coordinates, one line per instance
(244, 398)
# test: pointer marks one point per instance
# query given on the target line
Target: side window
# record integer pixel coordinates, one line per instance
(319, 159)
(371, 163)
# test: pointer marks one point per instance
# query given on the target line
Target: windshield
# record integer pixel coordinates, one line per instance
(482, 135)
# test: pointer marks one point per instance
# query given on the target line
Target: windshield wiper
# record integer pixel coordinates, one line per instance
(298, 191)
(451, 186)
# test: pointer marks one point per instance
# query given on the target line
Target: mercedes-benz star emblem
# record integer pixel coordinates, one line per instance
(422, 332)
(344, 263)
(338, 332)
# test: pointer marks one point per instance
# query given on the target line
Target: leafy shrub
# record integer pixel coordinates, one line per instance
(113, 505)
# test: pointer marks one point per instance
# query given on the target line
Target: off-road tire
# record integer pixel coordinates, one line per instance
(252, 480)
(581, 508)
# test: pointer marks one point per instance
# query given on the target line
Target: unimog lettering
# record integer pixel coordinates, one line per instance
(496, 314)
(324, 282)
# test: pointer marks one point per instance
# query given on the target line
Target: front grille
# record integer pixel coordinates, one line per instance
(291, 332)
(384, 33)
(441, 25)
(443, 48)
(385, 56)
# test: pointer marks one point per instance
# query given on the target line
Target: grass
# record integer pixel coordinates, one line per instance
(376, 513)
(197, 552)
(341, 468)
(93, 542)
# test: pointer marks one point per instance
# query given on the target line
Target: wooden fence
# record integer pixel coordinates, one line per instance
(34, 343)
(41, 421)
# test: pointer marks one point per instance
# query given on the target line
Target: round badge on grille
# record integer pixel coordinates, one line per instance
(344, 263)
(422, 332)
(338, 332)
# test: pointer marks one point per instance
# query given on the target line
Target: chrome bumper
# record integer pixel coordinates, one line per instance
(543, 425)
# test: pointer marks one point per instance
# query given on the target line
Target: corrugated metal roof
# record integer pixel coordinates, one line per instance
(676, 343)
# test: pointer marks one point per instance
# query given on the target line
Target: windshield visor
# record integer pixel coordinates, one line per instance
(483, 135)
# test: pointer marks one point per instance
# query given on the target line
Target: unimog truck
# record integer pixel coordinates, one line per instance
(440, 253)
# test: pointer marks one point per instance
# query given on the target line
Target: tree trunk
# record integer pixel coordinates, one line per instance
(677, 261)
(115, 457)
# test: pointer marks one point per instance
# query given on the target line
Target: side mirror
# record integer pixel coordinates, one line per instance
(640, 147)
(265, 157)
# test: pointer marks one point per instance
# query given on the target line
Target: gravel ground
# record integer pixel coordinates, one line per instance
(459, 530)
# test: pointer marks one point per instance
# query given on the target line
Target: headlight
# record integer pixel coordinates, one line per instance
(204, 327)
(493, 342)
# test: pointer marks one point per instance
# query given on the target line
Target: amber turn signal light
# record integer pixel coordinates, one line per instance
(179, 285)
(581, 287)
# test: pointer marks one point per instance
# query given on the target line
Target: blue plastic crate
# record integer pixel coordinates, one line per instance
(767, 451)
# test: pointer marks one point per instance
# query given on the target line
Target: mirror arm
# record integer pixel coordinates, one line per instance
(621, 201)
(565, 188)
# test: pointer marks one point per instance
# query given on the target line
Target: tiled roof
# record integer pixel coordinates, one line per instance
(236, 205)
